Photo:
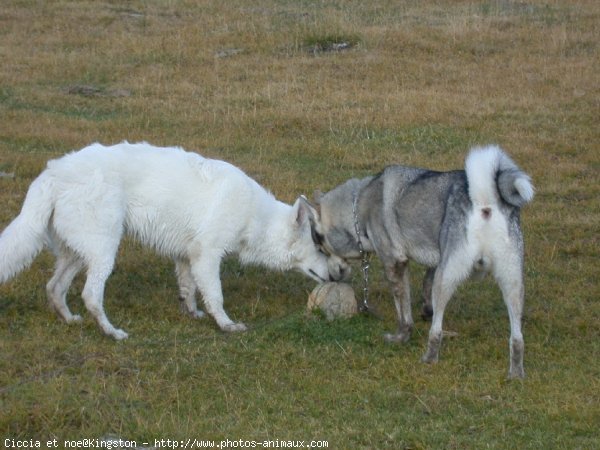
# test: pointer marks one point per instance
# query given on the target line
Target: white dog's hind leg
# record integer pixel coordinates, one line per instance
(510, 279)
(68, 266)
(205, 271)
(187, 289)
(93, 296)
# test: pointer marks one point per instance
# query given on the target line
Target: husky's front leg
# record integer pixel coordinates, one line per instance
(205, 271)
(427, 308)
(397, 275)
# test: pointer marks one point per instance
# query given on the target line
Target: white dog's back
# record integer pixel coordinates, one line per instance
(164, 196)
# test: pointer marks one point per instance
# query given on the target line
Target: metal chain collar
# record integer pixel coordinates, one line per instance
(365, 257)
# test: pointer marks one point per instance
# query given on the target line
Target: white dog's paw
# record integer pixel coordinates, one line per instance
(119, 335)
(194, 313)
(198, 314)
(234, 328)
(75, 318)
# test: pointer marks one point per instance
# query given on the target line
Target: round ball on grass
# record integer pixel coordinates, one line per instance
(335, 300)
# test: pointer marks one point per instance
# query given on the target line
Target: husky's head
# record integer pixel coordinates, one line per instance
(335, 229)
(310, 256)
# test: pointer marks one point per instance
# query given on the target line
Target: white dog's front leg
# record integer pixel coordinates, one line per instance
(205, 272)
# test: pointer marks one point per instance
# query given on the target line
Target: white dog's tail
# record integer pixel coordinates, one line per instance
(26, 236)
(490, 172)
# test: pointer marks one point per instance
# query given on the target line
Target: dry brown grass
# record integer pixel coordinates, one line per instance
(238, 80)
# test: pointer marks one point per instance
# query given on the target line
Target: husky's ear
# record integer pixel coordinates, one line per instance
(317, 196)
(303, 211)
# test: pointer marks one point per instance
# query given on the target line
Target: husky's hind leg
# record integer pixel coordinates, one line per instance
(449, 274)
(205, 271)
(68, 266)
(187, 289)
(442, 291)
(509, 275)
(397, 275)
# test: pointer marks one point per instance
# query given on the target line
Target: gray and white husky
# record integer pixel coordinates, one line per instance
(452, 222)
(193, 209)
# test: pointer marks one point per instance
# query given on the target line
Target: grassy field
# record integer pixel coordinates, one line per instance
(303, 95)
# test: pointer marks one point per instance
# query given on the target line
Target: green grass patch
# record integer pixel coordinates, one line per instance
(418, 83)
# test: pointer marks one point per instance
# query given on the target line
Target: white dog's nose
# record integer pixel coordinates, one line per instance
(339, 270)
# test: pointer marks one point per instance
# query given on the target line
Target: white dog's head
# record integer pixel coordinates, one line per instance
(308, 254)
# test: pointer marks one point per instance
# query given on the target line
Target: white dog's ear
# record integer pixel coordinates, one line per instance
(303, 211)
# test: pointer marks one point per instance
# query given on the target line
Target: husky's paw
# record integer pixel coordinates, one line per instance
(119, 335)
(516, 373)
(430, 357)
(234, 328)
(399, 338)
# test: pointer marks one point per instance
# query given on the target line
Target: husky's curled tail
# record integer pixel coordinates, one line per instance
(27, 234)
(491, 172)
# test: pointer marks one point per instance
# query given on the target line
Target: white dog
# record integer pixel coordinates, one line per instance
(193, 209)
